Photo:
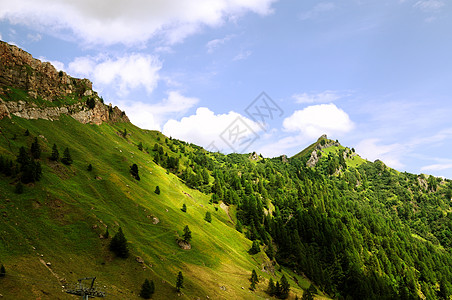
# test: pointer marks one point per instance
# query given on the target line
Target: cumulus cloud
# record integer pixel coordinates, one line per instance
(390, 154)
(436, 167)
(317, 10)
(127, 72)
(128, 22)
(57, 64)
(322, 97)
(151, 116)
(244, 54)
(206, 128)
(316, 120)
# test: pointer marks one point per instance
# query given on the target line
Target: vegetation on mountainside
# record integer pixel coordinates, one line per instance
(357, 229)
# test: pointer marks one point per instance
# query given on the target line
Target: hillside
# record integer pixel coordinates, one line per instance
(353, 228)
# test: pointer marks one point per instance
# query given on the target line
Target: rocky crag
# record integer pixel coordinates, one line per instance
(40, 80)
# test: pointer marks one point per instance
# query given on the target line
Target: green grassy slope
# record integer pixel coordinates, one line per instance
(60, 219)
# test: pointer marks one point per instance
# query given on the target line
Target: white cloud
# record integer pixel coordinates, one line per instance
(128, 22)
(317, 10)
(34, 37)
(127, 72)
(429, 5)
(205, 127)
(316, 120)
(436, 167)
(57, 64)
(390, 154)
(151, 116)
(1, 36)
(323, 97)
(242, 55)
(214, 44)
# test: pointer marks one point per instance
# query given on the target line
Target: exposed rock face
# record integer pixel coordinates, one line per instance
(312, 161)
(80, 111)
(19, 70)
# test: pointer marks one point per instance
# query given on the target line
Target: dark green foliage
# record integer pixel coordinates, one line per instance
(67, 158)
(19, 189)
(157, 190)
(184, 208)
(124, 133)
(140, 146)
(55, 154)
(2, 271)
(27, 133)
(238, 226)
(253, 280)
(208, 217)
(285, 288)
(255, 248)
(147, 289)
(179, 281)
(187, 234)
(90, 167)
(60, 73)
(30, 170)
(91, 103)
(271, 289)
(118, 245)
(106, 234)
(134, 171)
(307, 295)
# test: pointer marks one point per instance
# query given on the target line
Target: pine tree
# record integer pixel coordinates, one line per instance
(255, 248)
(184, 208)
(55, 154)
(307, 295)
(254, 279)
(187, 234)
(140, 146)
(208, 217)
(27, 133)
(19, 188)
(285, 287)
(2, 271)
(157, 190)
(271, 290)
(90, 167)
(134, 171)
(67, 158)
(106, 234)
(179, 281)
(238, 226)
(118, 245)
(147, 289)
(35, 149)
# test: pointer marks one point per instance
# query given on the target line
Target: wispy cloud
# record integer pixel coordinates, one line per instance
(317, 10)
(429, 5)
(327, 96)
(242, 55)
(216, 43)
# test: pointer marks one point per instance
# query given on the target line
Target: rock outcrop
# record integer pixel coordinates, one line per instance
(40, 80)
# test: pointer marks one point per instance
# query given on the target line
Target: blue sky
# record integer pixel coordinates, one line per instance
(376, 75)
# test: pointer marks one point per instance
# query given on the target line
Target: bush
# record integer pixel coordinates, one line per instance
(255, 248)
(147, 289)
(134, 171)
(118, 245)
(157, 190)
(208, 217)
(2, 271)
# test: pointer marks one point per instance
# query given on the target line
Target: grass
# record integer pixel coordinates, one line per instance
(60, 218)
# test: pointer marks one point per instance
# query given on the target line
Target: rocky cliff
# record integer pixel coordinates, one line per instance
(19, 71)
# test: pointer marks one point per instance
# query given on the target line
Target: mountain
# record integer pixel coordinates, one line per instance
(326, 221)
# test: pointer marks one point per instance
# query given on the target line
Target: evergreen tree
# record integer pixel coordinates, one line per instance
(27, 133)
(147, 289)
(208, 217)
(254, 280)
(184, 208)
(187, 234)
(157, 190)
(255, 248)
(35, 149)
(179, 281)
(285, 288)
(106, 234)
(271, 290)
(19, 188)
(118, 245)
(238, 226)
(23, 158)
(2, 271)
(90, 167)
(134, 171)
(67, 158)
(55, 154)
(307, 295)
(140, 146)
